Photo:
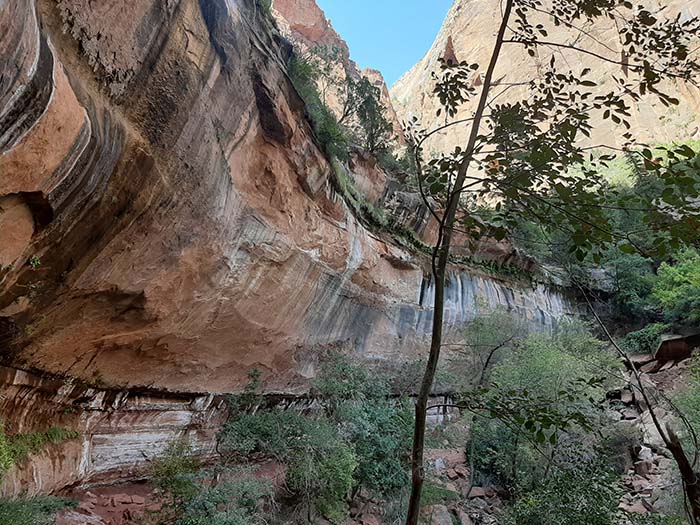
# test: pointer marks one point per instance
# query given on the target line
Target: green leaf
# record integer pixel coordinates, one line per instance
(627, 248)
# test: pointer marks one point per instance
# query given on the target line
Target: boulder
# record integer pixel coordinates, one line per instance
(370, 519)
(629, 414)
(649, 432)
(438, 515)
(645, 453)
(643, 468)
(121, 499)
(636, 507)
(639, 360)
(651, 367)
(73, 517)
(626, 397)
(462, 471)
(640, 484)
(452, 474)
(481, 492)
(464, 518)
(667, 366)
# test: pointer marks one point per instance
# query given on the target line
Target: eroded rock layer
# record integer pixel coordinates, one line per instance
(119, 431)
(172, 224)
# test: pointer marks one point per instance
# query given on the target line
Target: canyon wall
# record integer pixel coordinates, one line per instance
(468, 34)
(168, 222)
(305, 24)
(172, 217)
(119, 431)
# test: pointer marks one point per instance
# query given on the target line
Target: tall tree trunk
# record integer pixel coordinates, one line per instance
(440, 259)
(691, 480)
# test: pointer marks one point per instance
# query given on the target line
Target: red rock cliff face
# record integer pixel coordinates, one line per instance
(305, 24)
(467, 35)
(172, 219)
(182, 222)
(167, 223)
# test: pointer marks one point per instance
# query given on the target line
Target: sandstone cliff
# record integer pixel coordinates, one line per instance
(305, 24)
(168, 222)
(467, 35)
(172, 215)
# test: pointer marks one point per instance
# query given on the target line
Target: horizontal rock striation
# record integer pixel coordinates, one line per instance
(120, 431)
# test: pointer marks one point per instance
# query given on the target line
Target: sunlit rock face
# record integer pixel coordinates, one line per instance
(305, 24)
(168, 220)
(467, 35)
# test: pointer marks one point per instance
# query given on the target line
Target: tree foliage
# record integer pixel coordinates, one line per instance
(588, 495)
(677, 288)
(540, 405)
(332, 137)
(374, 127)
(39, 510)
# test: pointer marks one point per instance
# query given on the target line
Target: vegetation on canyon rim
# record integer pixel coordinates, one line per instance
(16, 448)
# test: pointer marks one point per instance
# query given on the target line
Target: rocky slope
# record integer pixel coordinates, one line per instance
(467, 35)
(168, 222)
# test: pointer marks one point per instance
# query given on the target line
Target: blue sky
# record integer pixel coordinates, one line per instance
(388, 35)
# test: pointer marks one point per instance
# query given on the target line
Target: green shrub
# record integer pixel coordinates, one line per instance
(539, 405)
(320, 464)
(265, 7)
(6, 458)
(380, 432)
(31, 511)
(487, 338)
(687, 400)
(18, 447)
(587, 495)
(361, 438)
(239, 502)
(197, 497)
(378, 427)
(633, 282)
(332, 137)
(322, 473)
(677, 288)
(644, 341)
(374, 128)
(436, 495)
(502, 457)
(541, 365)
(174, 471)
(249, 398)
(22, 445)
